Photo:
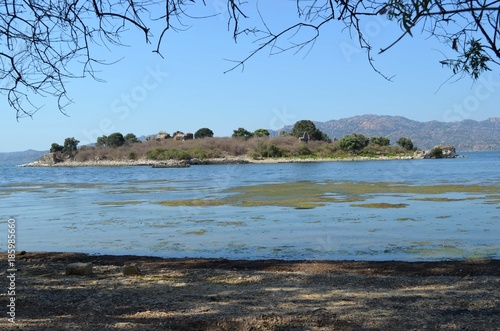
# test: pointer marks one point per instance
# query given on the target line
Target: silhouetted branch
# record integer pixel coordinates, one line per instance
(45, 43)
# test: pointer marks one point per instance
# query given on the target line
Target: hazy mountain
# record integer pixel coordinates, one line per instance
(466, 135)
(26, 156)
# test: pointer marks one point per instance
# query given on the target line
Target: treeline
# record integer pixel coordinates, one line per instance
(304, 141)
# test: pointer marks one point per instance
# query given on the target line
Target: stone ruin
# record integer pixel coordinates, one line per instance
(177, 135)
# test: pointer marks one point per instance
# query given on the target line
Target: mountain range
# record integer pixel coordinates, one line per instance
(26, 156)
(466, 135)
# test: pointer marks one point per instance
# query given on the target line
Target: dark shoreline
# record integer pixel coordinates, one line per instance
(459, 268)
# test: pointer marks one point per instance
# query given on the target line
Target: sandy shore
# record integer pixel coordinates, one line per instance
(219, 294)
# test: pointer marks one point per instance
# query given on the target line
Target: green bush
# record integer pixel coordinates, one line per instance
(155, 154)
(266, 149)
(198, 152)
(436, 153)
(304, 150)
(381, 141)
(132, 156)
(406, 143)
(168, 154)
(203, 133)
(353, 142)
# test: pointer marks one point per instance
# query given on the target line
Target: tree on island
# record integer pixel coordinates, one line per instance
(261, 133)
(242, 133)
(45, 43)
(56, 148)
(436, 153)
(116, 140)
(353, 142)
(131, 138)
(405, 143)
(203, 133)
(307, 126)
(381, 141)
(70, 146)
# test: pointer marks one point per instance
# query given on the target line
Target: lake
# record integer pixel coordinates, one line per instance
(409, 210)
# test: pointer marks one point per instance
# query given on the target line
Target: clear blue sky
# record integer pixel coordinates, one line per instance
(188, 90)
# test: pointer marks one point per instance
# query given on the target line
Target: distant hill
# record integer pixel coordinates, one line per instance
(466, 135)
(26, 156)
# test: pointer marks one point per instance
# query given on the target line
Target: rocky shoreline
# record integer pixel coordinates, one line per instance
(186, 163)
(49, 160)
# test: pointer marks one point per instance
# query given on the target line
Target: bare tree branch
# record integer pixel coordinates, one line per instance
(46, 43)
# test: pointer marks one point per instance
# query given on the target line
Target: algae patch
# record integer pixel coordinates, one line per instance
(380, 205)
(438, 199)
(198, 233)
(119, 203)
(308, 194)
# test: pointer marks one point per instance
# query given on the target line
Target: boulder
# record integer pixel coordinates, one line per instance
(305, 137)
(79, 269)
(449, 151)
(50, 159)
(162, 135)
(131, 270)
(178, 135)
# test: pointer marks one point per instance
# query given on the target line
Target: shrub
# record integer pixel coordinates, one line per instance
(198, 152)
(266, 149)
(381, 141)
(261, 133)
(131, 138)
(115, 140)
(436, 152)
(353, 142)
(55, 147)
(406, 143)
(155, 154)
(242, 133)
(303, 150)
(203, 133)
(168, 154)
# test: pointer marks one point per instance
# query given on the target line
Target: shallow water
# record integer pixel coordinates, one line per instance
(437, 209)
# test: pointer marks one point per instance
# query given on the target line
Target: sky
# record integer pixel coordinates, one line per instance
(187, 89)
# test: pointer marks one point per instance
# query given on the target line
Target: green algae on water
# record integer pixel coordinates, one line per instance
(308, 194)
(119, 203)
(380, 205)
(198, 233)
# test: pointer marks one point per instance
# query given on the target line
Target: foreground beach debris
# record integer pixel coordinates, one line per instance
(219, 294)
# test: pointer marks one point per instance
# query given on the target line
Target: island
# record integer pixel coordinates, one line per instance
(304, 143)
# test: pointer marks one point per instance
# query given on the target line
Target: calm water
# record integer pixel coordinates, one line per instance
(113, 210)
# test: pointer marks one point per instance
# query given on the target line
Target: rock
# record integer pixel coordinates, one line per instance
(305, 137)
(50, 159)
(449, 151)
(162, 135)
(131, 270)
(172, 164)
(80, 269)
